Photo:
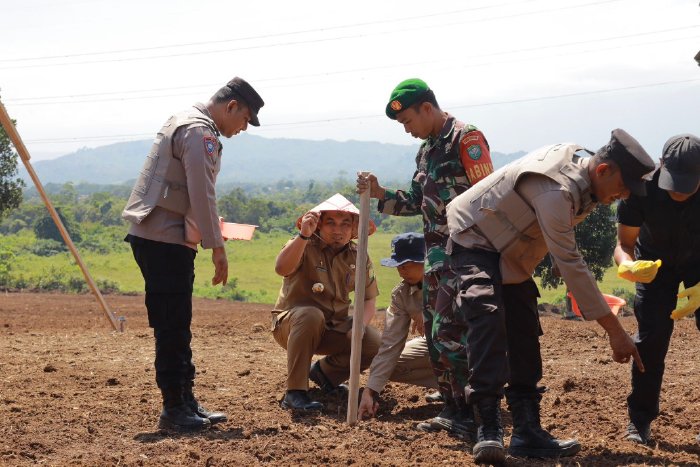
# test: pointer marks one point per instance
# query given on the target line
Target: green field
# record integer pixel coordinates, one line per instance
(250, 263)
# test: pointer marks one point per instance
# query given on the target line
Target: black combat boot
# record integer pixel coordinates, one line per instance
(297, 399)
(177, 415)
(489, 446)
(434, 397)
(530, 439)
(465, 419)
(639, 433)
(456, 417)
(214, 417)
(319, 377)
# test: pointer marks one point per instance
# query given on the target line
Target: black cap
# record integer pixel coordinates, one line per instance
(404, 248)
(633, 160)
(680, 164)
(252, 99)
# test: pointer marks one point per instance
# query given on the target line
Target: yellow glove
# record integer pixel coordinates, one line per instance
(643, 271)
(693, 294)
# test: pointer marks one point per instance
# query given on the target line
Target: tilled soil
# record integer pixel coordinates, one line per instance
(73, 392)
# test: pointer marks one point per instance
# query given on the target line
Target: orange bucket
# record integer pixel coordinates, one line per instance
(615, 303)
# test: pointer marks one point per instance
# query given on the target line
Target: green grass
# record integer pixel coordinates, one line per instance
(250, 263)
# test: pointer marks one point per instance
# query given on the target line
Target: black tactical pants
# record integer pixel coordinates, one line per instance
(168, 270)
(652, 307)
(500, 327)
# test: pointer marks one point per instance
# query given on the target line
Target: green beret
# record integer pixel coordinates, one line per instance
(405, 95)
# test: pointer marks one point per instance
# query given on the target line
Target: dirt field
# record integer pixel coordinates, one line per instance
(73, 392)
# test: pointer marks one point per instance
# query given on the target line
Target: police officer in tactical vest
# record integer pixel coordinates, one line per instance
(500, 229)
(172, 209)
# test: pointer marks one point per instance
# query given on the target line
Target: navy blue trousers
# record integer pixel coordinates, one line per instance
(653, 304)
(168, 271)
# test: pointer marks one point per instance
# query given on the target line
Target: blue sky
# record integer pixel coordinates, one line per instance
(527, 72)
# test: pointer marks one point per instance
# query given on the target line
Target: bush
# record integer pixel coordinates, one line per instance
(230, 291)
(107, 286)
(47, 247)
(6, 260)
(627, 295)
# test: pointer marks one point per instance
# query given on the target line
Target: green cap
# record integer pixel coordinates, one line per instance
(405, 95)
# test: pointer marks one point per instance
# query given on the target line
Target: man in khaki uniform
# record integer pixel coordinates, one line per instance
(311, 313)
(398, 360)
(500, 230)
(172, 208)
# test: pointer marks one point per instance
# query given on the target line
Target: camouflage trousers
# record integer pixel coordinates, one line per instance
(487, 332)
(432, 283)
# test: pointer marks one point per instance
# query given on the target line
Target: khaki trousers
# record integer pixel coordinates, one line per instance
(413, 366)
(302, 332)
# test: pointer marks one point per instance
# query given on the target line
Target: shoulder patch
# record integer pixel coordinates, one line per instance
(474, 152)
(210, 145)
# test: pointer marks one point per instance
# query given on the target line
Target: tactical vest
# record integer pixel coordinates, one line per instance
(162, 181)
(504, 218)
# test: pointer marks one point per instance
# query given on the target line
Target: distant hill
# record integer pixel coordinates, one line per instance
(247, 159)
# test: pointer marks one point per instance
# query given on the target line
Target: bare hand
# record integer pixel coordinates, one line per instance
(418, 325)
(368, 406)
(371, 182)
(309, 222)
(623, 349)
(218, 257)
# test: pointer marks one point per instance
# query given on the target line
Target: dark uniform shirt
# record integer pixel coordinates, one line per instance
(446, 166)
(669, 230)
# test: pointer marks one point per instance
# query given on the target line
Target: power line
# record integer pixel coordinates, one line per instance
(42, 100)
(307, 41)
(373, 116)
(268, 36)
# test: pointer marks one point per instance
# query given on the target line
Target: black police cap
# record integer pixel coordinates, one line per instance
(633, 160)
(251, 98)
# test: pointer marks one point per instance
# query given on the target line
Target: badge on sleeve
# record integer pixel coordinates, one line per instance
(210, 145)
(474, 152)
(475, 156)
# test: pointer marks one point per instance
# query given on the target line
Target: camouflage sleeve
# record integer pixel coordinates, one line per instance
(404, 203)
(475, 154)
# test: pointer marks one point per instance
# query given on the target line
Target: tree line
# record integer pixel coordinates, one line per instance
(93, 219)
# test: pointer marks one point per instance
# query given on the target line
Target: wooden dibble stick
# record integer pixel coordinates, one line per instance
(117, 323)
(359, 307)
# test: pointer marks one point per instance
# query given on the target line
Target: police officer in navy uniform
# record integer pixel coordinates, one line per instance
(664, 225)
(172, 209)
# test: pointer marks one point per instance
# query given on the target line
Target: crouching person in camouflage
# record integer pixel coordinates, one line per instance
(311, 313)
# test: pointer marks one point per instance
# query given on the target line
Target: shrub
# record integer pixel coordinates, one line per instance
(47, 247)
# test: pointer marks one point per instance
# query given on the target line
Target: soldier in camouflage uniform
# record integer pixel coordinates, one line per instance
(452, 157)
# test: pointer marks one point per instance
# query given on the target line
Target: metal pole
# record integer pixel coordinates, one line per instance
(117, 323)
(359, 311)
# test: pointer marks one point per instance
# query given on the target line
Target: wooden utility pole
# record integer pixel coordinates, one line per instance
(359, 310)
(117, 323)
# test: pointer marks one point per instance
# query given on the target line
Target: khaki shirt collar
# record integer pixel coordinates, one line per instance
(587, 197)
(413, 288)
(316, 239)
(203, 108)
